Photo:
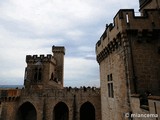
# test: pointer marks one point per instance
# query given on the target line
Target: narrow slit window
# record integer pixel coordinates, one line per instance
(127, 18)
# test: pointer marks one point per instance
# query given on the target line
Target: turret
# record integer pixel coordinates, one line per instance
(45, 71)
(59, 52)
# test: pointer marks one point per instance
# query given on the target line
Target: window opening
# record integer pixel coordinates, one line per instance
(110, 86)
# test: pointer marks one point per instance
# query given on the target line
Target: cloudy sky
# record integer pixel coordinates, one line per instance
(30, 27)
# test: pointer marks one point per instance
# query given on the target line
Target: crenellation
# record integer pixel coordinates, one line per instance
(111, 26)
(59, 49)
(126, 19)
(49, 56)
(82, 89)
(35, 58)
(42, 56)
(144, 35)
(59, 92)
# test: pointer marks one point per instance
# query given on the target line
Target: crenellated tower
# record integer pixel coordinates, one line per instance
(45, 71)
(59, 53)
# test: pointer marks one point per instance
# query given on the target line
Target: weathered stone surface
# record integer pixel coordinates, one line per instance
(129, 51)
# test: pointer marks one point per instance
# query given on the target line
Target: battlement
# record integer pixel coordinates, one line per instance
(42, 58)
(82, 89)
(126, 20)
(67, 91)
(58, 49)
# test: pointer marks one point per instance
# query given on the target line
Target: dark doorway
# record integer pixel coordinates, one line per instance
(60, 112)
(87, 111)
(27, 112)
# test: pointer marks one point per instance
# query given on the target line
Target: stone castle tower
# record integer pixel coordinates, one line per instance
(128, 54)
(45, 72)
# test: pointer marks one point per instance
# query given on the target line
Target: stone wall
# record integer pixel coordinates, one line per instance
(153, 110)
(44, 102)
(146, 61)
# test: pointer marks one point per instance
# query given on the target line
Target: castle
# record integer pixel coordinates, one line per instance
(45, 98)
(128, 54)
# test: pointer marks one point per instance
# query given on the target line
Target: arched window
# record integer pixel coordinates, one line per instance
(87, 111)
(27, 112)
(61, 112)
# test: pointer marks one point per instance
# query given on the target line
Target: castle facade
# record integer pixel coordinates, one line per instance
(129, 60)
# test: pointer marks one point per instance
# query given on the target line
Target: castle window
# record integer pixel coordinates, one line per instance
(110, 86)
(38, 74)
(52, 76)
(144, 100)
(35, 74)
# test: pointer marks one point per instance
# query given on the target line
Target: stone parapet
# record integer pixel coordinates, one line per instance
(126, 22)
(41, 58)
(58, 49)
(62, 92)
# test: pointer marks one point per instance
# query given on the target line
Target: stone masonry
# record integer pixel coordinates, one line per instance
(129, 59)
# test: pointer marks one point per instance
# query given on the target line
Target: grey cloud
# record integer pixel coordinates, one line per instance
(32, 27)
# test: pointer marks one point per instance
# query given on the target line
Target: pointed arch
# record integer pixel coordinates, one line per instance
(87, 111)
(61, 111)
(27, 111)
